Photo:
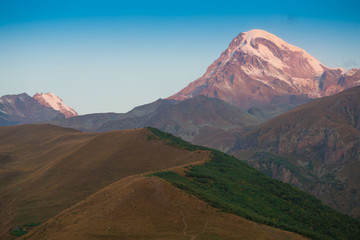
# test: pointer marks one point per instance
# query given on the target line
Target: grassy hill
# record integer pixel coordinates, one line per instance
(65, 184)
(141, 207)
(46, 169)
(232, 186)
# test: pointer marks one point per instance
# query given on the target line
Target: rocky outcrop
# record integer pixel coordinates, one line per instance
(326, 129)
(322, 140)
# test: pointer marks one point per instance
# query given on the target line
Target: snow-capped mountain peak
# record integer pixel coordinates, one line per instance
(249, 44)
(275, 52)
(257, 33)
(53, 101)
(259, 67)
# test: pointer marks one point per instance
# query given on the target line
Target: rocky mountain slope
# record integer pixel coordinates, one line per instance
(320, 140)
(54, 102)
(201, 120)
(21, 108)
(260, 69)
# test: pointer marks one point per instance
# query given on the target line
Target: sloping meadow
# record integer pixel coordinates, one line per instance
(232, 186)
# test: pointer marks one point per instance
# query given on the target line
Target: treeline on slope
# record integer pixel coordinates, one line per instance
(233, 186)
(173, 141)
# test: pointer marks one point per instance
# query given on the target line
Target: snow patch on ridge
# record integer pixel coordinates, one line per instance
(351, 72)
(53, 101)
(257, 33)
(263, 52)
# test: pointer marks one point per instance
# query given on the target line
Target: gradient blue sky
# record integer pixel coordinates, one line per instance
(110, 56)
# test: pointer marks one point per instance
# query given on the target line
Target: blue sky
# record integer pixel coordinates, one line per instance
(110, 56)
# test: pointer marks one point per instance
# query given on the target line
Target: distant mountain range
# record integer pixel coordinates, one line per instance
(198, 120)
(21, 108)
(257, 77)
(258, 73)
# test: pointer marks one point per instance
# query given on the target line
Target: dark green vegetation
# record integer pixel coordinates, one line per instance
(18, 232)
(232, 186)
(173, 141)
(32, 224)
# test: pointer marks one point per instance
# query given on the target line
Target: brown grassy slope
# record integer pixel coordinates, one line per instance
(24, 150)
(54, 168)
(28, 147)
(140, 207)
